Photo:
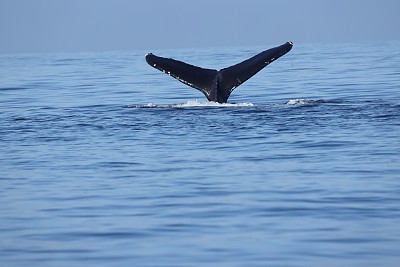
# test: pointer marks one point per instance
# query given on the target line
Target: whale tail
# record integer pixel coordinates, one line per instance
(216, 85)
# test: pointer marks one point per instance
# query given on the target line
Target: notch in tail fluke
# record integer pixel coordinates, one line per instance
(217, 85)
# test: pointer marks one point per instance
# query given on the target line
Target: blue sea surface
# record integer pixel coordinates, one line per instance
(105, 161)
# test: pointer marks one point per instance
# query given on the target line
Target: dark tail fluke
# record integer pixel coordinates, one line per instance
(234, 76)
(217, 85)
(196, 77)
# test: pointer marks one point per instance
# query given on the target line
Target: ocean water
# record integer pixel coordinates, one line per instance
(105, 161)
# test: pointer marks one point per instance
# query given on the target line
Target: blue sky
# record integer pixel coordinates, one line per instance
(101, 25)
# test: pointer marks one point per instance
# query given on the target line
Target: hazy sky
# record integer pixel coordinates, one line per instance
(97, 25)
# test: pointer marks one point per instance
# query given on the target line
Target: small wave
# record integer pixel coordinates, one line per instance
(304, 102)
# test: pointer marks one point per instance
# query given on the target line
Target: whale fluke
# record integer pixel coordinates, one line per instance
(216, 85)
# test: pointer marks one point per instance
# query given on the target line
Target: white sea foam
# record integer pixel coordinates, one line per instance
(297, 102)
(196, 103)
(192, 103)
(304, 101)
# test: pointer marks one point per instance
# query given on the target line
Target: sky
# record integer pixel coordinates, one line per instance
(107, 25)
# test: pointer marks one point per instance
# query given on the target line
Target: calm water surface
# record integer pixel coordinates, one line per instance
(105, 161)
